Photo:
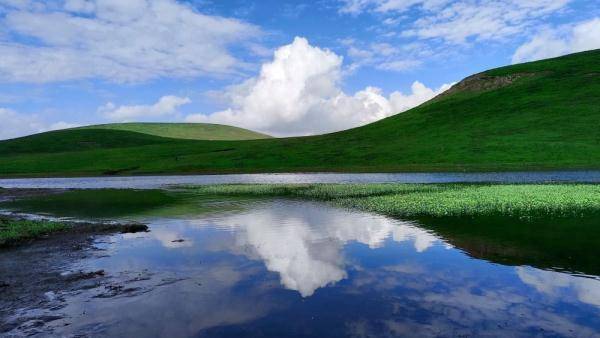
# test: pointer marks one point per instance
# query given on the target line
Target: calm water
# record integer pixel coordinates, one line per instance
(150, 182)
(281, 268)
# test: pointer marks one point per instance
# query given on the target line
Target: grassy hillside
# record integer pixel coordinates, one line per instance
(189, 131)
(533, 116)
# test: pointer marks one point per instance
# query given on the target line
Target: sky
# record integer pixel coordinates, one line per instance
(281, 67)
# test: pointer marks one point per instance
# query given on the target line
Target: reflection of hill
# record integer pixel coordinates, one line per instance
(570, 244)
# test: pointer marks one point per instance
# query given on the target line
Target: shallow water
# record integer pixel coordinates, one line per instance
(153, 182)
(278, 267)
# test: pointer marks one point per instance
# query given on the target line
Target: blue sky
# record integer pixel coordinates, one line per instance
(281, 67)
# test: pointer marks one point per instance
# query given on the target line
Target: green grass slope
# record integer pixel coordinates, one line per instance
(190, 131)
(534, 116)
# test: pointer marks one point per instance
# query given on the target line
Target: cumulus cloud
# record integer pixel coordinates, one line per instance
(166, 105)
(456, 21)
(123, 41)
(16, 124)
(298, 93)
(560, 41)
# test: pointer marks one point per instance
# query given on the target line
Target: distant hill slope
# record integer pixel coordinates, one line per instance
(534, 116)
(189, 131)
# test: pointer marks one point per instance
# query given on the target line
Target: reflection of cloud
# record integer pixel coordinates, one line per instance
(303, 241)
(456, 300)
(170, 238)
(554, 283)
(422, 239)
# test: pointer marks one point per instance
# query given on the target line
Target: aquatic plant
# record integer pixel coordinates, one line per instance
(437, 200)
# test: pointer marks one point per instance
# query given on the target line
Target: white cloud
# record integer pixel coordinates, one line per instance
(23, 4)
(80, 6)
(61, 125)
(398, 65)
(123, 41)
(360, 6)
(355, 6)
(166, 105)
(559, 41)
(298, 93)
(384, 56)
(15, 124)
(460, 20)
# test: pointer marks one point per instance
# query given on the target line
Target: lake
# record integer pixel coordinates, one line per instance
(232, 267)
(153, 182)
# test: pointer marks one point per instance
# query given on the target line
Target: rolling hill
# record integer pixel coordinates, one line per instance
(534, 116)
(188, 131)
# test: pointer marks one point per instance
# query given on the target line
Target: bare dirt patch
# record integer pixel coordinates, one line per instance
(482, 82)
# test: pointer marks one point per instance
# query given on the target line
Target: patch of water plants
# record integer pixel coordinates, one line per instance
(551, 226)
(437, 200)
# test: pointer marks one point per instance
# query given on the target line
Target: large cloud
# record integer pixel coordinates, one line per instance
(123, 41)
(298, 93)
(165, 106)
(560, 41)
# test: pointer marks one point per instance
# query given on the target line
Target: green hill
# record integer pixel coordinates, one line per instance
(533, 116)
(189, 131)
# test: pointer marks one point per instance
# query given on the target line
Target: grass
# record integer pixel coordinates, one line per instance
(437, 200)
(119, 204)
(14, 231)
(101, 203)
(189, 131)
(547, 120)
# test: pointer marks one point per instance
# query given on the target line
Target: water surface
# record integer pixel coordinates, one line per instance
(284, 268)
(153, 182)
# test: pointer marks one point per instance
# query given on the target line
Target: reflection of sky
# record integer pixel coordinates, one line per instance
(558, 285)
(303, 242)
(343, 274)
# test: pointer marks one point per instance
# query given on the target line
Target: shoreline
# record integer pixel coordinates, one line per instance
(456, 170)
(25, 229)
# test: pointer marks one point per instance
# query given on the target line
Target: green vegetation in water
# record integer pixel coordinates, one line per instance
(535, 116)
(16, 230)
(438, 200)
(119, 204)
(553, 226)
(100, 203)
(189, 131)
(548, 226)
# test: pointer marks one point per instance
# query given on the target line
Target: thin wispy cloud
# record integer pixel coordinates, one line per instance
(165, 106)
(461, 20)
(560, 41)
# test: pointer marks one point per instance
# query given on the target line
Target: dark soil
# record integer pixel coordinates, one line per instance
(33, 276)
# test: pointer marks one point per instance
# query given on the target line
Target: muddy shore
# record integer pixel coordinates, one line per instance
(32, 274)
(33, 271)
